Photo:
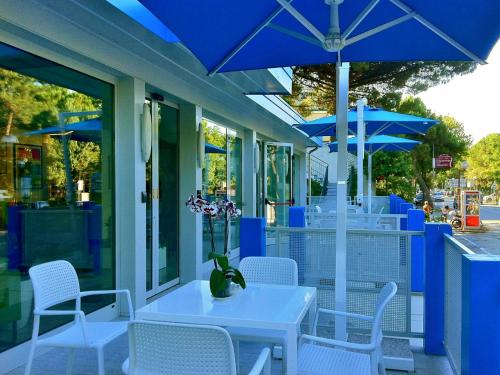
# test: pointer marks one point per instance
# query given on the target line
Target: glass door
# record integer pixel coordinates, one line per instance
(162, 250)
(278, 191)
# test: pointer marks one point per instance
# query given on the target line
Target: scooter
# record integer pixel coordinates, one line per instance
(456, 220)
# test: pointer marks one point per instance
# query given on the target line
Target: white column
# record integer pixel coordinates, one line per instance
(360, 133)
(370, 183)
(249, 208)
(342, 97)
(190, 225)
(130, 183)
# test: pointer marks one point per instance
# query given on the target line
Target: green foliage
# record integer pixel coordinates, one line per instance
(220, 278)
(382, 83)
(484, 162)
(393, 172)
(353, 181)
(316, 188)
(33, 105)
(215, 165)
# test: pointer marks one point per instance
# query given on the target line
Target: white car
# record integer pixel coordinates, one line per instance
(492, 198)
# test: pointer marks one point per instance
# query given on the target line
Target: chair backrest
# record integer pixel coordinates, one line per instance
(383, 299)
(269, 270)
(53, 283)
(181, 349)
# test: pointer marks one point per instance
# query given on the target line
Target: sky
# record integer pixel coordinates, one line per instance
(472, 99)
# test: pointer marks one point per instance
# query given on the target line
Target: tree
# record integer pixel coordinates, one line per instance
(484, 162)
(382, 83)
(400, 170)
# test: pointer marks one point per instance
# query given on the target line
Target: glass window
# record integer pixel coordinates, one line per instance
(222, 177)
(56, 184)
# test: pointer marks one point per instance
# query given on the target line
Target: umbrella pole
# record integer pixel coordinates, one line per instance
(361, 148)
(369, 183)
(342, 97)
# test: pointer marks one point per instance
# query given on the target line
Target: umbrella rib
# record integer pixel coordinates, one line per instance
(360, 18)
(303, 21)
(248, 39)
(438, 32)
(380, 28)
(413, 129)
(295, 34)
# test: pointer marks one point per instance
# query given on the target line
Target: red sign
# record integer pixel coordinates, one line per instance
(443, 161)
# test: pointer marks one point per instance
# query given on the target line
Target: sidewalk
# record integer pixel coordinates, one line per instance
(484, 242)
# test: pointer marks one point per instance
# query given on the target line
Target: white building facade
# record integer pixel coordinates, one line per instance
(87, 194)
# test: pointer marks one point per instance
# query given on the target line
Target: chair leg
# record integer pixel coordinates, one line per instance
(236, 344)
(284, 358)
(34, 337)
(71, 359)
(100, 360)
(27, 370)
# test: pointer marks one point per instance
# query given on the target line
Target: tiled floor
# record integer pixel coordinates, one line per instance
(54, 361)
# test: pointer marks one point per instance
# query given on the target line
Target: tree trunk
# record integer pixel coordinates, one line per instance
(423, 185)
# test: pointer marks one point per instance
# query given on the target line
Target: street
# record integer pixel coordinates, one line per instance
(487, 241)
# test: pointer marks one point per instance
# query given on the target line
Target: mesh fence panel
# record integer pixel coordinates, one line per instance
(373, 259)
(380, 204)
(355, 221)
(453, 251)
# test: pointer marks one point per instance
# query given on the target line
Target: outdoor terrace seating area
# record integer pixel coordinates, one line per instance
(54, 361)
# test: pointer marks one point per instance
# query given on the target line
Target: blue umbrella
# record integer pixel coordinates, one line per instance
(377, 121)
(230, 35)
(374, 144)
(212, 149)
(84, 131)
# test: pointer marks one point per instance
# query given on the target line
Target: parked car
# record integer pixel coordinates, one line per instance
(419, 199)
(438, 196)
(492, 198)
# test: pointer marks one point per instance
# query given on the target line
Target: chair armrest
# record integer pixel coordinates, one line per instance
(117, 291)
(60, 312)
(262, 365)
(346, 314)
(78, 313)
(344, 344)
(341, 313)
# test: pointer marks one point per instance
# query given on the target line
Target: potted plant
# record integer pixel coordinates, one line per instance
(223, 273)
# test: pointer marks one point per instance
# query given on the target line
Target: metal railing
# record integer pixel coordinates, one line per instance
(453, 251)
(373, 259)
(326, 204)
(355, 221)
(380, 204)
(317, 169)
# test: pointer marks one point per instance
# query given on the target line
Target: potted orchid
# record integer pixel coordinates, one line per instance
(223, 273)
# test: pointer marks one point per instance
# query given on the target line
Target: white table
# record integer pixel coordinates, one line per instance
(261, 306)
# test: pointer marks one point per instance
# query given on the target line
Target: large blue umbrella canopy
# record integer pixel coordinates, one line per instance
(379, 143)
(229, 35)
(377, 121)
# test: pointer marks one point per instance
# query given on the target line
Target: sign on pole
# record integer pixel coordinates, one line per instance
(444, 161)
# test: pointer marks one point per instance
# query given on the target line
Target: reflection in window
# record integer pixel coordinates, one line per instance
(56, 197)
(221, 169)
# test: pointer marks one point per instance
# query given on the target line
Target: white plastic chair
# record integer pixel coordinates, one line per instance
(349, 358)
(265, 270)
(158, 348)
(57, 282)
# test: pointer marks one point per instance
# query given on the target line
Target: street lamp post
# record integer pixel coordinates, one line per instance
(463, 166)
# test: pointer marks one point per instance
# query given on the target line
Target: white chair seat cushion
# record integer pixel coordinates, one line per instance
(98, 334)
(322, 360)
(260, 335)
